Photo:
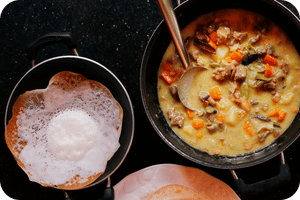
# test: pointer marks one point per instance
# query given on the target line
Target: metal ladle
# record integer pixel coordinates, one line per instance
(186, 80)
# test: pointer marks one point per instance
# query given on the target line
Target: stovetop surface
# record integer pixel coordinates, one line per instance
(115, 34)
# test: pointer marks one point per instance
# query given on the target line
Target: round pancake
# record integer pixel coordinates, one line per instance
(63, 136)
(176, 192)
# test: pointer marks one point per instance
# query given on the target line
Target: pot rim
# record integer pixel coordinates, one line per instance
(157, 31)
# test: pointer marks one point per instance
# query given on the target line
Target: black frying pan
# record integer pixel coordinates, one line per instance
(186, 13)
(38, 77)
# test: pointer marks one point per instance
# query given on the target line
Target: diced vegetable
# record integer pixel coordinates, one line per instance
(234, 115)
(268, 59)
(190, 113)
(274, 113)
(221, 117)
(278, 113)
(228, 60)
(282, 115)
(268, 72)
(167, 77)
(235, 55)
(221, 52)
(198, 123)
(189, 130)
(211, 43)
(213, 36)
(287, 98)
(199, 134)
(248, 128)
(245, 105)
(215, 93)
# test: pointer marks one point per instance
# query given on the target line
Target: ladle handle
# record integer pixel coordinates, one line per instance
(50, 38)
(170, 18)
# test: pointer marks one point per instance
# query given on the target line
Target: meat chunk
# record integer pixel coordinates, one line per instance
(239, 36)
(220, 74)
(212, 127)
(255, 39)
(268, 49)
(240, 73)
(270, 85)
(200, 33)
(223, 34)
(263, 136)
(175, 118)
(229, 72)
(174, 92)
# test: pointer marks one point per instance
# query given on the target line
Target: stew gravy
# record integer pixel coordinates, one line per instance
(247, 97)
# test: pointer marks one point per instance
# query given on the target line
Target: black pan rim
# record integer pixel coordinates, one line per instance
(104, 176)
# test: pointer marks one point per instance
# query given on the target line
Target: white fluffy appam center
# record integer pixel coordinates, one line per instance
(71, 134)
(78, 140)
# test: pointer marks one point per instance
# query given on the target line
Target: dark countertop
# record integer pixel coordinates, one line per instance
(115, 34)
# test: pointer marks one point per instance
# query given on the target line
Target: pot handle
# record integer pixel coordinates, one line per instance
(290, 6)
(67, 197)
(50, 38)
(283, 177)
(109, 193)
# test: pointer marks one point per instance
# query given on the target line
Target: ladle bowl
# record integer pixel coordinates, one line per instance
(186, 80)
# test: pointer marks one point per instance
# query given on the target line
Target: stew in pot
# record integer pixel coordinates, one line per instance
(247, 97)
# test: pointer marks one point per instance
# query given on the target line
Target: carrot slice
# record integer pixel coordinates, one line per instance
(211, 43)
(228, 60)
(281, 115)
(235, 55)
(199, 134)
(215, 93)
(268, 59)
(213, 36)
(248, 128)
(268, 72)
(167, 77)
(221, 117)
(190, 113)
(274, 113)
(197, 123)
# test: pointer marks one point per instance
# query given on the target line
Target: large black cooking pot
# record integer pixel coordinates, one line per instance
(39, 75)
(186, 13)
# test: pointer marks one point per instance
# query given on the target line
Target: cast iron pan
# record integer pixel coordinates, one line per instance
(186, 13)
(38, 77)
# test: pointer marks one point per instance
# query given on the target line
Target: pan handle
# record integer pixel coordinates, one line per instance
(109, 193)
(283, 177)
(50, 38)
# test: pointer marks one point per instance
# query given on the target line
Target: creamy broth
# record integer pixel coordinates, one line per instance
(247, 97)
